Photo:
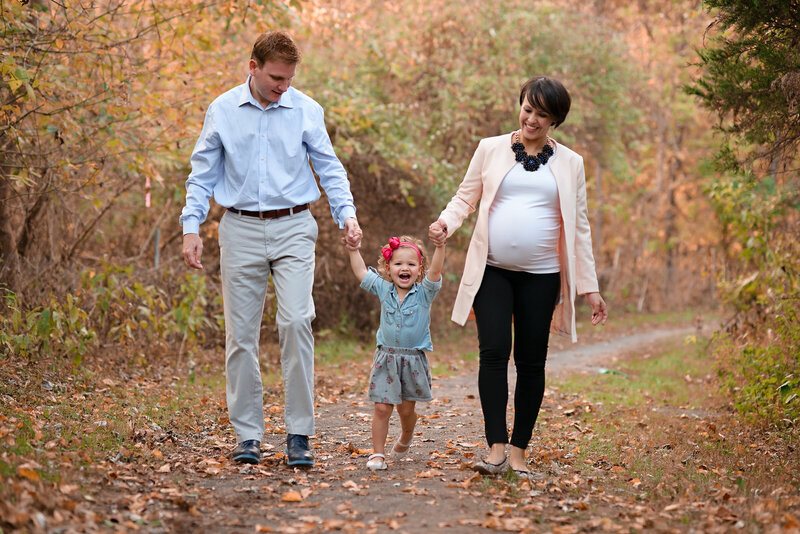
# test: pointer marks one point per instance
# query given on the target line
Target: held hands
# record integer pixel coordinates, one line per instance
(352, 242)
(192, 250)
(437, 233)
(352, 236)
(599, 309)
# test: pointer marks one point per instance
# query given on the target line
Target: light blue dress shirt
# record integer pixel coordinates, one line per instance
(406, 324)
(257, 159)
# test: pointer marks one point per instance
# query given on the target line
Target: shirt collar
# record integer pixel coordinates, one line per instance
(410, 291)
(246, 97)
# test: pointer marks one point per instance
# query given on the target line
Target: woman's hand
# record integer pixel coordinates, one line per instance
(437, 233)
(599, 309)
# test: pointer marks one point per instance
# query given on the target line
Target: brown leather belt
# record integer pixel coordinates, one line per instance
(271, 214)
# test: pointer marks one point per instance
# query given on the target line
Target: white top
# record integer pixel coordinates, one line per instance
(525, 222)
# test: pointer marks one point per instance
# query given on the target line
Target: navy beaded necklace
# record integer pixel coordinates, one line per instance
(530, 163)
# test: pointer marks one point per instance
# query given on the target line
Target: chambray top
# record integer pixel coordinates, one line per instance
(257, 159)
(405, 325)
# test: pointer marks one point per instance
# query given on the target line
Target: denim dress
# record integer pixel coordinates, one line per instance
(400, 368)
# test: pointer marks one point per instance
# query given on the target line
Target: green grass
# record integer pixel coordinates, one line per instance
(658, 379)
(335, 351)
(641, 421)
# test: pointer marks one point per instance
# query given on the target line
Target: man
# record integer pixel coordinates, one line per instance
(253, 157)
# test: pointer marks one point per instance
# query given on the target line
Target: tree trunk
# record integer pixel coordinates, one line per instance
(9, 257)
(25, 239)
(597, 234)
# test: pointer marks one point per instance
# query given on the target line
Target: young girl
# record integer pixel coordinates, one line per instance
(400, 373)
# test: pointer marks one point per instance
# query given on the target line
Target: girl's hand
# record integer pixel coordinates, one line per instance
(348, 246)
(352, 236)
(437, 233)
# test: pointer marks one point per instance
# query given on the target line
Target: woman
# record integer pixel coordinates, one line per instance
(530, 254)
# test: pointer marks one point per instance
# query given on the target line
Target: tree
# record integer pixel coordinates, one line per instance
(751, 77)
(97, 99)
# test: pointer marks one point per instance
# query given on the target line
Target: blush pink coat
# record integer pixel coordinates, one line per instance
(491, 162)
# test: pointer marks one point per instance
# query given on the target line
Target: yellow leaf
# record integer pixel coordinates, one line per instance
(292, 496)
(30, 474)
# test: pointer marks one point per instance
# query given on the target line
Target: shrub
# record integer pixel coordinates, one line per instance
(762, 375)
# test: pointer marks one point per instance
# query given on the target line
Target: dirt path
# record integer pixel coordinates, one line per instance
(590, 357)
(432, 489)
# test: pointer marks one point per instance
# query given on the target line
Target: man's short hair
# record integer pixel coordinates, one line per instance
(275, 46)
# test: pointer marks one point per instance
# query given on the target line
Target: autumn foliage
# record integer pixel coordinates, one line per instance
(110, 353)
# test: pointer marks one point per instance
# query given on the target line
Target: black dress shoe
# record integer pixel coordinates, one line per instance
(297, 451)
(247, 452)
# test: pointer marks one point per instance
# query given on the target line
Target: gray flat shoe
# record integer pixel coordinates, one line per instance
(485, 468)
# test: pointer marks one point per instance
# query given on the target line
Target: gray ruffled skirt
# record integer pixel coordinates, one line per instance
(398, 375)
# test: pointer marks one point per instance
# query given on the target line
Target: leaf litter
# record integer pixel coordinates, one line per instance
(598, 467)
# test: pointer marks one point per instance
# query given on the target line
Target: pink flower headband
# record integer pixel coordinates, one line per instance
(395, 243)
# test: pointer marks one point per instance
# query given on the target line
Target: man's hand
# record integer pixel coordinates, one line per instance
(352, 235)
(192, 250)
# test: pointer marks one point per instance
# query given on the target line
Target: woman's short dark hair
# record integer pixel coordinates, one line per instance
(275, 46)
(548, 95)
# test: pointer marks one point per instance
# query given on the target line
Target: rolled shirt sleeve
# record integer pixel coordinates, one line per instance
(253, 158)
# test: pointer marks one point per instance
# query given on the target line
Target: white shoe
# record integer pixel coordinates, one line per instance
(376, 462)
(397, 454)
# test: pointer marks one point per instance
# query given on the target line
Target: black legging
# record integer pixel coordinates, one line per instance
(530, 299)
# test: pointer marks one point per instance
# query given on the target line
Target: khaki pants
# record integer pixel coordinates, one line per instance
(251, 250)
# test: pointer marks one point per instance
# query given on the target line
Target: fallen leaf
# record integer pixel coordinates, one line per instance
(292, 496)
(30, 474)
(66, 489)
(430, 473)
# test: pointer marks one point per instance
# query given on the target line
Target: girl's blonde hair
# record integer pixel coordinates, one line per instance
(383, 267)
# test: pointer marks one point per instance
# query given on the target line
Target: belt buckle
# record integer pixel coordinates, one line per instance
(261, 215)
